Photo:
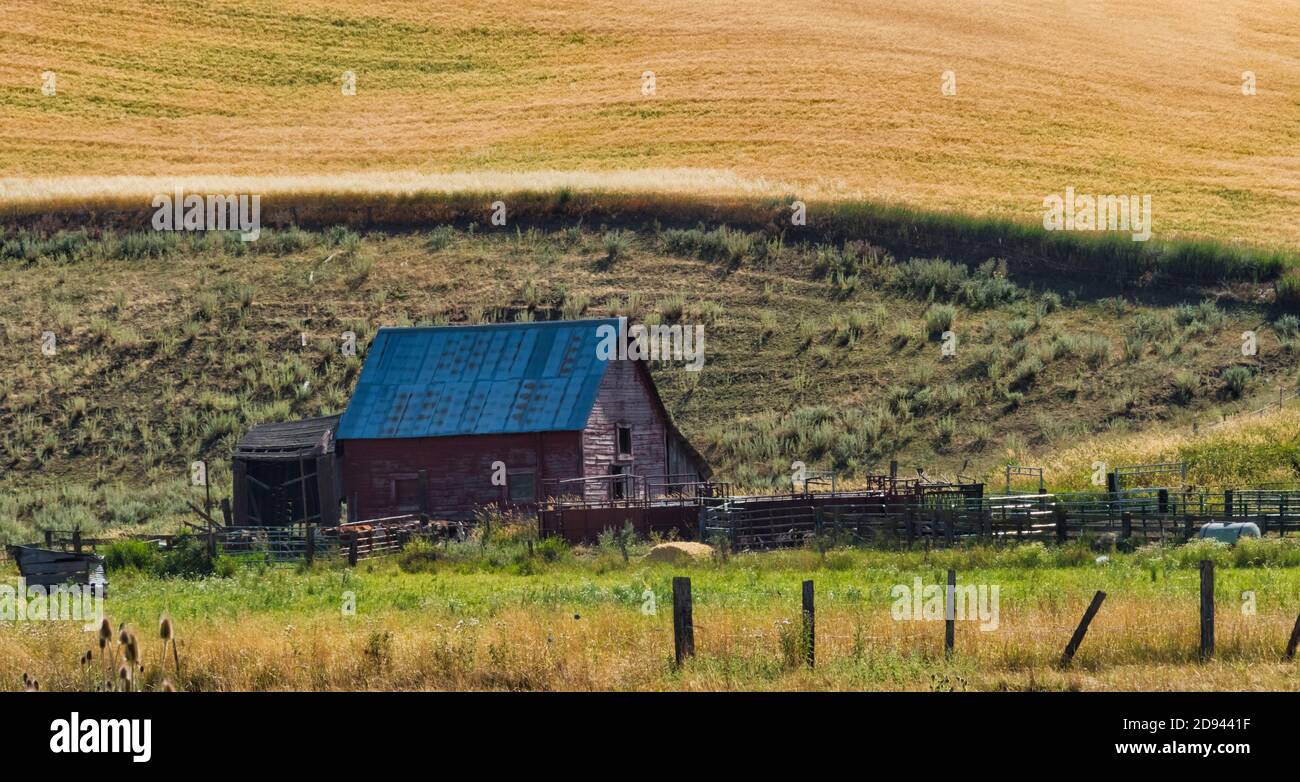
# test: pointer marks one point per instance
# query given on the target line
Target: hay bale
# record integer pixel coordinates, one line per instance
(678, 552)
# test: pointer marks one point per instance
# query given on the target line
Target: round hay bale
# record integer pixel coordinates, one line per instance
(679, 551)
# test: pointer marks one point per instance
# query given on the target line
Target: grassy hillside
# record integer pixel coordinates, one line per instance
(822, 98)
(169, 348)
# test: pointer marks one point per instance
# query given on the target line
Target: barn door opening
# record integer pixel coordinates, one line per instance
(618, 485)
(282, 492)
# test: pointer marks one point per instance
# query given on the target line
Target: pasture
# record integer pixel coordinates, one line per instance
(493, 617)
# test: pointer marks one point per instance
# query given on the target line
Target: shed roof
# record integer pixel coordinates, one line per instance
(289, 439)
(491, 379)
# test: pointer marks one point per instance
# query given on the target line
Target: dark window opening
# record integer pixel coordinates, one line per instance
(624, 441)
(406, 493)
(523, 487)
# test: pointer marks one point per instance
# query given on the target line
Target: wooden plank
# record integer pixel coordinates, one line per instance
(950, 614)
(1079, 632)
(1207, 609)
(683, 621)
(809, 625)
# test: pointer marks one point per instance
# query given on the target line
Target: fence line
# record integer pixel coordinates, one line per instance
(1139, 514)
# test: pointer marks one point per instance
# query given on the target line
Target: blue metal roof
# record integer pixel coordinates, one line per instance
(492, 379)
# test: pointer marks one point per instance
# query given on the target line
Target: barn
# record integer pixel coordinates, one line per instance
(446, 420)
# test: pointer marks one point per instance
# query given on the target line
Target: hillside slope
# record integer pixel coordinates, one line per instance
(822, 98)
(168, 349)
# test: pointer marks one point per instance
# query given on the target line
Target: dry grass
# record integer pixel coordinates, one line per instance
(573, 631)
(827, 98)
(1233, 453)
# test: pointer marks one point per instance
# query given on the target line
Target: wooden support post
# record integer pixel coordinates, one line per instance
(809, 625)
(1163, 501)
(949, 533)
(1207, 609)
(76, 540)
(49, 538)
(683, 623)
(212, 542)
(1188, 527)
(352, 550)
(950, 615)
(910, 526)
(424, 490)
(1227, 503)
(225, 511)
(310, 551)
(1062, 528)
(1082, 629)
(1125, 525)
(1295, 640)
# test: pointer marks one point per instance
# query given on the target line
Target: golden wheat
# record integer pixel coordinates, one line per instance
(826, 97)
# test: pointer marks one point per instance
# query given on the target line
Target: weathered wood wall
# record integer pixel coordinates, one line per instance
(624, 399)
(458, 470)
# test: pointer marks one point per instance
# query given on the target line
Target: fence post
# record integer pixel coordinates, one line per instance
(1082, 629)
(683, 624)
(212, 542)
(311, 544)
(1207, 609)
(1295, 640)
(950, 615)
(76, 540)
(1187, 527)
(809, 624)
(352, 550)
(1125, 525)
(949, 533)
(49, 538)
(226, 515)
(1163, 501)
(1227, 503)
(910, 526)
(1062, 530)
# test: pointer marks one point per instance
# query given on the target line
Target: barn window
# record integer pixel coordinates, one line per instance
(523, 487)
(624, 441)
(406, 492)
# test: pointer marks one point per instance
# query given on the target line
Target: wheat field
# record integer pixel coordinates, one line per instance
(827, 99)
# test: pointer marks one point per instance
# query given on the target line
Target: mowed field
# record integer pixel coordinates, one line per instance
(828, 99)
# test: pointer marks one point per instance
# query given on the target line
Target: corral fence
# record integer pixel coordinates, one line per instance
(279, 545)
(1139, 515)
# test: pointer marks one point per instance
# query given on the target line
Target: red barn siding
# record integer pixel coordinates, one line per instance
(458, 469)
(624, 398)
